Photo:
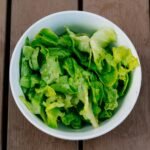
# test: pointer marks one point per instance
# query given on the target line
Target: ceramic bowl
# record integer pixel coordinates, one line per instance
(79, 21)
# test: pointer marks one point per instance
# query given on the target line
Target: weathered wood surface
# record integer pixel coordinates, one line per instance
(133, 17)
(2, 51)
(21, 134)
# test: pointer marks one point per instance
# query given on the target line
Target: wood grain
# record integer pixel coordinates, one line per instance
(2, 50)
(21, 134)
(133, 17)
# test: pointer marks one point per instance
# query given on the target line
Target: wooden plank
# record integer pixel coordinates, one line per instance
(21, 134)
(2, 50)
(132, 16)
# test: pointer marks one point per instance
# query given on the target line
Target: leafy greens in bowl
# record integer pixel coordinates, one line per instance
(74, 78)
(95, 81)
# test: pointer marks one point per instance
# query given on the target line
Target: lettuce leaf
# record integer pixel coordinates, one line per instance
(52, 117)
(35, 103)
(99, 40)
(59, 52)
(72, 67)
(45, 37)
(97, 92)
(27, 52)
(33, 61)
(87, 111)
(102, 38)
(123, 56)
(25, 69)
(50, 70)
(81, 42)
(111, 98)
(65, 41)
(72, 119)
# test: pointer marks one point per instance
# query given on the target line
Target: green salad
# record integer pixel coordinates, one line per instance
(74, 79)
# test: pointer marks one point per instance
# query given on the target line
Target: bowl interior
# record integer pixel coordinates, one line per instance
(78, 22)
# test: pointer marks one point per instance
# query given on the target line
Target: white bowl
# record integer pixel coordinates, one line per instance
(85, 22)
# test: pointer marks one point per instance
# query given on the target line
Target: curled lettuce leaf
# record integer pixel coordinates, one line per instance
(111, 98)
(97, 91)
(25, 69)
(106, 114)
(50, 70)
(33, 62)
(81, 42)
(109, 78)
(29, 81)
(87, 111)
(35, 103)
(63, 86)
(72, 68)
(102, 38)
(47, 91)
(65, 41)
(72, 119)
(31, 55)
(45, 37)
(52, 117)
(99, 40)
(122, 84)
(59, 52)
(27, 52)
(124, 56)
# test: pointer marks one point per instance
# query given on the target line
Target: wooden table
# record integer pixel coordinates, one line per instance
(133, 16)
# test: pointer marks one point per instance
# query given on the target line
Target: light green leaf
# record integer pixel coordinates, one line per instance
(50, 70)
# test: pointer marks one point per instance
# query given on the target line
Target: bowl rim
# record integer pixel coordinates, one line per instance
(68, 136)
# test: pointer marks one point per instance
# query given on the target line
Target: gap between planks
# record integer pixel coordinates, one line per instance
(80, 7)
(6, 75)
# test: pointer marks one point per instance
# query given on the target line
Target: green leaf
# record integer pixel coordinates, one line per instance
(25, 82)
(52, 117)
(96, 109)
(102, 38)
(124, 56)
(43, 114)
(122, 85)
(105, 114)
(49, 34)
(99, 40)
(27, 41)
(111, 98)
(35, 105)
(28, 104)
(50, 70)
(25, 69)
(63, 86)
(29, 81)
(59, 52)
(45, 37)
(33, 62)
(65, 41)
(72, 68)
(81, 42)
(109, 78)
(35, 79)
(47, 91)
(87, 111)
(27, 52)
(72, 119)
(97, 92)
